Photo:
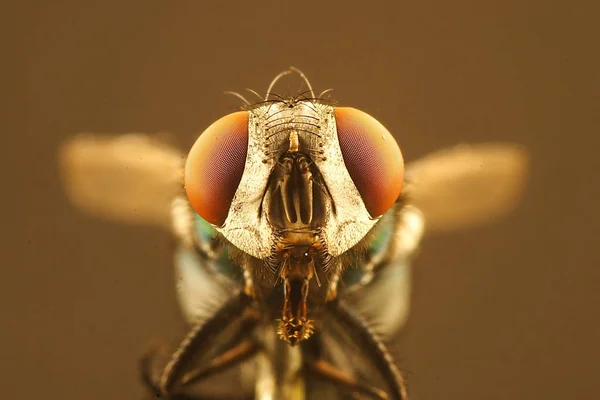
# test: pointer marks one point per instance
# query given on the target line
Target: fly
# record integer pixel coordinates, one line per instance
(296, 221)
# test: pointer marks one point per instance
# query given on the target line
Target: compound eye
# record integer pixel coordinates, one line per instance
(215, 165)
(372, 157)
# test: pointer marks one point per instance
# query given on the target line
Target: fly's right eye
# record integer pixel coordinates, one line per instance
(372, 157)
(215, 165)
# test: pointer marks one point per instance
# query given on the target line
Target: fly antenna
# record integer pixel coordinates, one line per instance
(274, 81)
(254, 93)
(325, 91)
(239, 96)
(296, 70)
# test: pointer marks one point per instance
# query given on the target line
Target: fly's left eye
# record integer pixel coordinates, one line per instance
(372, 157)
(215, 165)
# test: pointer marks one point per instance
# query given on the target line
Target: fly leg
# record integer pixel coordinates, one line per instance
(234, 356)
(238, 354)
(201, 339)
(316, 366)
(325, 370)
(373, 347)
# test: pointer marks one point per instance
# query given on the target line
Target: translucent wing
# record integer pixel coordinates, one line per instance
(130, 178)
(467, 185)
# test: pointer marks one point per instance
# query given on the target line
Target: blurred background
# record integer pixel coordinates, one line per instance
(504, 311)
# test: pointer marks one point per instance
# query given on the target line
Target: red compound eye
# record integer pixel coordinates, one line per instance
(372, 157)
(215, 165)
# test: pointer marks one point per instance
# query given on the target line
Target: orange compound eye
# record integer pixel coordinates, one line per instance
(215, 165)
(372, 157)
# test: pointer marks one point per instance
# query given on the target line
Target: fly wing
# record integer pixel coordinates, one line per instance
(130, 178)
(467, 185)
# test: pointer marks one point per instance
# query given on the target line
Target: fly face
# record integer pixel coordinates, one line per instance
(301, 202)
(295, 184)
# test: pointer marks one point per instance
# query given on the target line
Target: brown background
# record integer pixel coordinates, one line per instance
(507, 311)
